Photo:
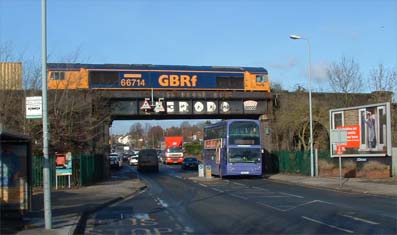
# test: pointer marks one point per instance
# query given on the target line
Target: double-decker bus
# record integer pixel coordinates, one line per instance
(233, 147)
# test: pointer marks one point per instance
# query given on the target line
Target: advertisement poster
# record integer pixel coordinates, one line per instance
(63, 163)
(368, 130)
(13, 176)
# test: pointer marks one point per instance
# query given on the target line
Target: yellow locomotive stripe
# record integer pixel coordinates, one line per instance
(132, 75)
(177, 71)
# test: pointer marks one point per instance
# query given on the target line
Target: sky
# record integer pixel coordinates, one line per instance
(209, 32)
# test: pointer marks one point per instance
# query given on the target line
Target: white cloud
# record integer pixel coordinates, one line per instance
(319, 73)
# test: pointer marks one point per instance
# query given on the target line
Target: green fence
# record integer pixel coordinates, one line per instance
(87, 169)
(295, 162)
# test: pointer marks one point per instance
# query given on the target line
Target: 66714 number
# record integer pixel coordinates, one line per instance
(132, 82)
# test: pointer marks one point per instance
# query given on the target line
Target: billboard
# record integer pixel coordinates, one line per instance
(14, 164)
(368, 130)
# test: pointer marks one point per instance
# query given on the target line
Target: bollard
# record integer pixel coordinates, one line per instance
(201, 170)
(208, 171)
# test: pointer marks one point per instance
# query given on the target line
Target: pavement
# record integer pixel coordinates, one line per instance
(70, 207)
(378, 187)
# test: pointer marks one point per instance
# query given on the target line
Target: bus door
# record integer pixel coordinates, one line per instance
(220, 157)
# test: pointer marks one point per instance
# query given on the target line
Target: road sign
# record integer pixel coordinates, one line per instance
(338, 136)
(211, 106)
(159, 106)
(146, 105)
(34, 107)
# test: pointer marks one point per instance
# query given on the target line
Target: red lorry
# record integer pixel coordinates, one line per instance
(173, 149)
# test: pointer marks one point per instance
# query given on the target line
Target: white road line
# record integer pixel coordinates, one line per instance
(239, 184)
(239, 196)
(292, 195)
(271, 196)
(303, 204)
(329, 225)
(162, 203)
(189, 229)
(359, 219)
(263, 189)
(218, 190)
(177, 176)
(254, 194)
(269, 206)
(257, 193)
(203, 185)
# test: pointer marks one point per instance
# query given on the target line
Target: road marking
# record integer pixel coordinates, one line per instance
(258, 193)
(269, 206)
(292, 195)
(218, 190)
(239, 196)
(255, 194)
(239, 184)
(303, 204)
(263, 189)
(189, 230)
(177, 176)
(203, 185)
(162, 203)
(329, 225)
(359, 219)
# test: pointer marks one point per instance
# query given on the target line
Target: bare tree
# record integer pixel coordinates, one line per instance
(76, 117)
(154, 136)
(382, 80)
(345, 77)
(136, 132)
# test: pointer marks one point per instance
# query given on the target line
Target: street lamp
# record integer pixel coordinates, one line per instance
(297, 37)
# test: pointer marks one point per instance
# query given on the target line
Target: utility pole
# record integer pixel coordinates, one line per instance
(46, 169)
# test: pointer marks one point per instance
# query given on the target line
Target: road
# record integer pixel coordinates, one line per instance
(178, 202)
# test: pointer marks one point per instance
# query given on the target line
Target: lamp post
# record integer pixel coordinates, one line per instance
(46, 168)
(297, 37)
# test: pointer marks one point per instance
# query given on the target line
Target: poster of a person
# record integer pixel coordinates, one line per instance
(371, 122)
(9, 168)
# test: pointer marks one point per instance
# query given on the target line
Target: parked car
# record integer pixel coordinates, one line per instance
(115, 160)
(133, 161)
(190, 163)
(147, 160)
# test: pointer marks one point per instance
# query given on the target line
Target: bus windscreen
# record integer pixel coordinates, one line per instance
(244, 155)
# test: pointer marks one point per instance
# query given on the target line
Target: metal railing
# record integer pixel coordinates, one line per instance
(87, 170)
(295, 162)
